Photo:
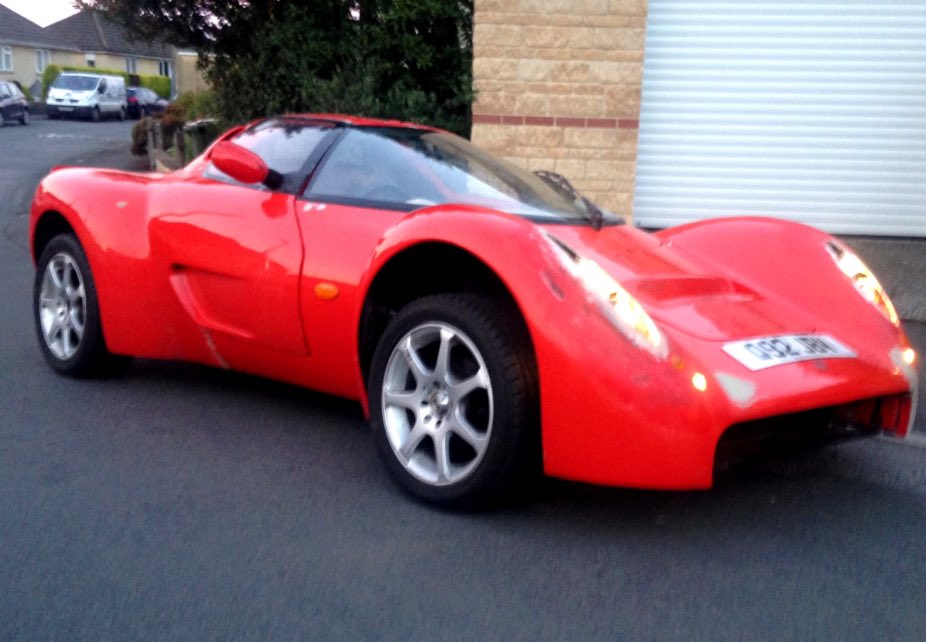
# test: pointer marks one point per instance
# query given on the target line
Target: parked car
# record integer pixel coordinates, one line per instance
(13, 104)
(142, 101)
(490, 321)
(86, 95)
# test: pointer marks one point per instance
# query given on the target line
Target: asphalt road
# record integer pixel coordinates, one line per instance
(182, 503)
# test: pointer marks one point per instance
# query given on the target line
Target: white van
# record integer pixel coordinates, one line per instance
(86, 95)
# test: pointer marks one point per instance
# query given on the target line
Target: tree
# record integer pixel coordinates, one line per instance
(405, 59)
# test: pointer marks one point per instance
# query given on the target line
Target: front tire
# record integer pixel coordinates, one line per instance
(67, 315)
(95, 115)
(24, 117)
(453, 401)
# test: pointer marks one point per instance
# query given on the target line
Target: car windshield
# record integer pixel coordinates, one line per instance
(76, 83)
(420, 167)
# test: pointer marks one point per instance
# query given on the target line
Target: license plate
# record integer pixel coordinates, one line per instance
(66, 108)
(765, 352)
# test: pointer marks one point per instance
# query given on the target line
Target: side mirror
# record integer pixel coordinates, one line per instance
(243, 165)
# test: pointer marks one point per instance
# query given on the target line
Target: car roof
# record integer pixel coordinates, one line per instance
(360, 121)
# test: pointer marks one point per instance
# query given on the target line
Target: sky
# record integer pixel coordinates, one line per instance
(41, 12)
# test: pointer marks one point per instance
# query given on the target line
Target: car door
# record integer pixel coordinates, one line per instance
(233, 252)
(19, 101)
(6, 102)
(360, 190)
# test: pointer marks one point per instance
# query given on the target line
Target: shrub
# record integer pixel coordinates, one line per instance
(197, 104)
(140, 137)
(189, 106)
(158, 84)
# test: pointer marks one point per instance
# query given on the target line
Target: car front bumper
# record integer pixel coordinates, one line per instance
(614, 415)
(68, 111)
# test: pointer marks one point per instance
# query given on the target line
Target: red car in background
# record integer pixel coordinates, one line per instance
(492, 322)
(141, 101)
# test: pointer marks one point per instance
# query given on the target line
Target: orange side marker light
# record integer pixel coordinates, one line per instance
(326, 291)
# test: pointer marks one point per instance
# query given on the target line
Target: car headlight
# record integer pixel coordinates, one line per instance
(616, 304)
(863, 279)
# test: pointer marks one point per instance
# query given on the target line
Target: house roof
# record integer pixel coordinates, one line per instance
(16, 30)
(91, 30)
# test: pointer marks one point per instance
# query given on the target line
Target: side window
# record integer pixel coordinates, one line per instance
(370, 169)
(102, 86)
(284, 145)
(4, 91)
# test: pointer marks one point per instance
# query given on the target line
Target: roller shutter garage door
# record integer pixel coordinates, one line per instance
(813, 111)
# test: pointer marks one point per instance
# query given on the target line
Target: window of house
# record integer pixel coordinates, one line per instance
(6, 58)
(164, 68)
(131, 64)
(42, 59)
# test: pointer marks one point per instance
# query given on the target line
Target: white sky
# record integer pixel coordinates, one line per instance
(41, 12)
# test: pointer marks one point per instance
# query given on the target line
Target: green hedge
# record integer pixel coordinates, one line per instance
(159, 84)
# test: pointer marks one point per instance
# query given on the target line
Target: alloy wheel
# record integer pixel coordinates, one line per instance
(437, 404)
(62, 306)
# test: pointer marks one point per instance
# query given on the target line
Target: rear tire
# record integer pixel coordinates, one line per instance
(67, 315)
(453, 401)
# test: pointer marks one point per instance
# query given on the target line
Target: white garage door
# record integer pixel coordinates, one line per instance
(808, 110)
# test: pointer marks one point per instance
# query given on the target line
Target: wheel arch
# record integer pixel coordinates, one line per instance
(433, 267)
(49, 225)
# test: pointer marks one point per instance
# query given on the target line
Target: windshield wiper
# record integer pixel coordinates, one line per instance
(561, 184)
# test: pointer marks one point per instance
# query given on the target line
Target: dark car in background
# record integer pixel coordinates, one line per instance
(142, 101)
(13, 104)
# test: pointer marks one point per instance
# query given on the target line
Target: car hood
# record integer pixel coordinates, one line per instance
(684, 292)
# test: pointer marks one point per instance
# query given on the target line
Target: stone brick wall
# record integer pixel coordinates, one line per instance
(558, 87)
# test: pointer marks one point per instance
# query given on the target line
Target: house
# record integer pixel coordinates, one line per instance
(672, 112)
(106, 45)
(26, 49)
(88, 39)
(187, 75)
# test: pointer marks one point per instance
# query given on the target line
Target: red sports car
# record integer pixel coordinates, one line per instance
(491, 321)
